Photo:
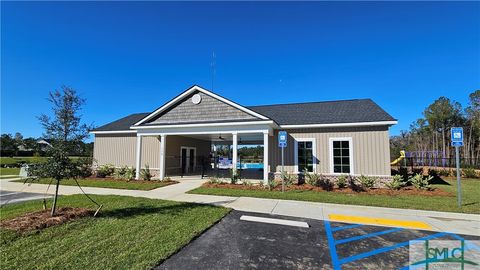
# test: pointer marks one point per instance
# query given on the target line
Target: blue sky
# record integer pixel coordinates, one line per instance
(126, 57)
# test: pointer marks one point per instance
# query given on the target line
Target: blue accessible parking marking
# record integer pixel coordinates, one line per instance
(338, 261)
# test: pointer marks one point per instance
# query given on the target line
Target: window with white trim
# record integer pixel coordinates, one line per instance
(341, 156)
(305, 155)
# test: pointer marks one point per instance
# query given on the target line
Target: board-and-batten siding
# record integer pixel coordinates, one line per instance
(371, 149)
(119, 150)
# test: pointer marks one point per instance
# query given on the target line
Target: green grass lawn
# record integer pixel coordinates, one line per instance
(129, 233)
(106, 183)
(9, 171)
(470, 194)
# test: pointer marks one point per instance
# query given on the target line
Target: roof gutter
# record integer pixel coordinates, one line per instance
(112, 131)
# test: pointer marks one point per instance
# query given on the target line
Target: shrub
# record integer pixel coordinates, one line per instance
(367, 181)
(84, 167)
(312, 178)
(124, 173)
(105, 170)
(352, 181)
(326, 184)
(145, 173)
(247, 183)
(118, 173)
(396, 183)
(444, 172)
(214, 180)
(420, 182)
(469, 173)
(272, 184)
(342, 181)
(234, 177)
(288, 179)
(129, 173)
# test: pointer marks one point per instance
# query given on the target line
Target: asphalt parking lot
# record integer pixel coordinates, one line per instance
(9, 197)
(240, 244)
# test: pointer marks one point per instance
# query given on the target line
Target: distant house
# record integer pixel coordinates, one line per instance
(44, 145)
(331, 137)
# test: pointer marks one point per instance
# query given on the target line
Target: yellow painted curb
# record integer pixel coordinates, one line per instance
(380, 221)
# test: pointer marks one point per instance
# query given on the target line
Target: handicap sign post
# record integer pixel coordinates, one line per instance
(457, 141)
(282, 143)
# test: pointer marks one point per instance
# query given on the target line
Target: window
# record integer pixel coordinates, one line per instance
(305, 155)
(341, 155)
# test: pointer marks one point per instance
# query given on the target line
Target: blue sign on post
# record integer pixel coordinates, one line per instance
(457, 136)
(282, 139)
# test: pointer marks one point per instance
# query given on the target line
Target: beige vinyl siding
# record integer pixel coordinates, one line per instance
(370, 145)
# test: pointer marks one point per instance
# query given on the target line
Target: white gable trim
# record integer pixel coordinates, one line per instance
(205, 91)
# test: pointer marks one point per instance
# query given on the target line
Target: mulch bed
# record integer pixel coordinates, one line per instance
(42, 219)
(374, 191)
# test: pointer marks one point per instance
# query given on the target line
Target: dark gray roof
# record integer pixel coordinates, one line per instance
(326, 112)
(122, 124)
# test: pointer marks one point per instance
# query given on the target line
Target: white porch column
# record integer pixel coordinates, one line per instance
(163, 139)
(265, 157)
(234, 151)
(138, 157)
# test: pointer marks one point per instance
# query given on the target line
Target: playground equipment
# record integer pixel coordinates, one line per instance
(427, 158)
(396, 161)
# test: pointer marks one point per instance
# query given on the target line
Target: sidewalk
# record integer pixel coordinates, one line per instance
(437, 221)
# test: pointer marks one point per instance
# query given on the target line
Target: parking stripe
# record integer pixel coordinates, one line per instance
(275, 221)
(356, 238)
(380, 221)
(346, 227)
(331, 246)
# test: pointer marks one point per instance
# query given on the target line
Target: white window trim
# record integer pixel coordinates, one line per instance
(330, 147)
(188, 148)
(314, 152)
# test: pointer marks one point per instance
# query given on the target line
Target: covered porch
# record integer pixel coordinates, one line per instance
(209, 150)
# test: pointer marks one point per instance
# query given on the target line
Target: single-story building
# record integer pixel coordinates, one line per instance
(181, 137)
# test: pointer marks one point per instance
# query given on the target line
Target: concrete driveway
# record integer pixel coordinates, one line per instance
(234, 243)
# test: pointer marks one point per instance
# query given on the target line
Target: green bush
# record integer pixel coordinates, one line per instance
(272, 184)
(214, 180)
(234, 177)
(288, 179)
(84, 167)
(367, 181)
(105, 170)
(469, 173)
(145, 173)
(396, 183)
(420, 182)
(312, 178)
(247, 183)
(124, 173)
(326, 184)
(342, 181)
(444, 172)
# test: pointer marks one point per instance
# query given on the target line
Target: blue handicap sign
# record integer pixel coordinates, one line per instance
(282, 139)
(457, 136)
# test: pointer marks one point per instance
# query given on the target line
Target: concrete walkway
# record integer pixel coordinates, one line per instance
(468, 224)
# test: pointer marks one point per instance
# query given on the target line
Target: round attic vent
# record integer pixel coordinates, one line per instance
(196, 99)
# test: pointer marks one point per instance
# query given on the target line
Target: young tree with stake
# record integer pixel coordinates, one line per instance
(66, 133)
